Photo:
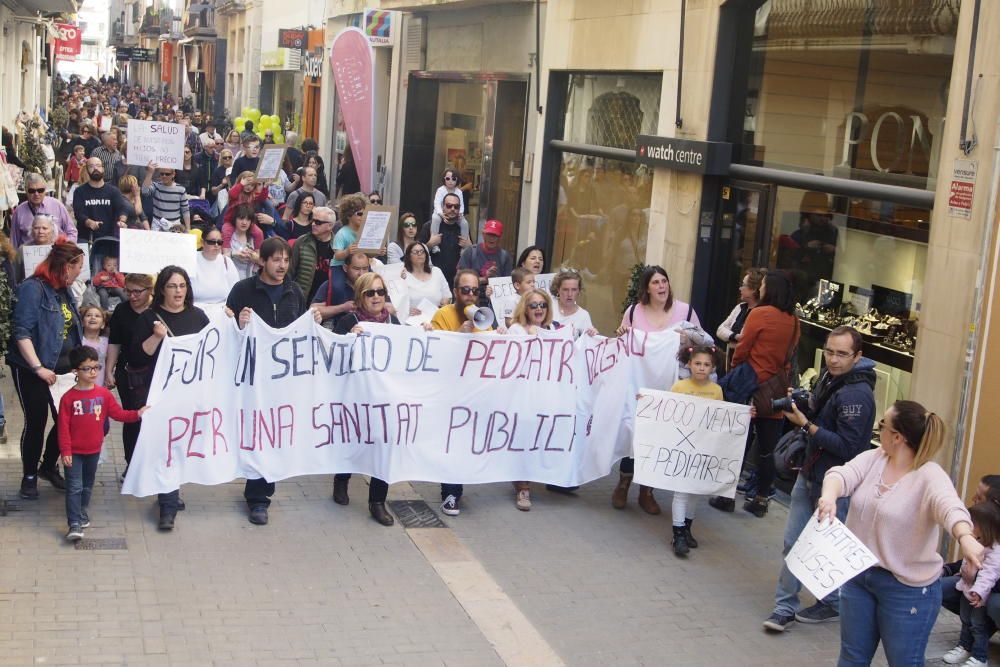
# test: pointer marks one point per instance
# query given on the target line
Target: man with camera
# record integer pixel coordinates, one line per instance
(837, 423)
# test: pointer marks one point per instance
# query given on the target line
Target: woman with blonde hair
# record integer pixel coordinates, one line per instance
(900, 501)
(128, 185)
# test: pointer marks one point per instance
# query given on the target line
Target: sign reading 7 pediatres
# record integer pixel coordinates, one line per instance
(155, 141)
(689, 444)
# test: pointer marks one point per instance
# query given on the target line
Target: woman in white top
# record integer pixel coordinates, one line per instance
(423, 281)
(215, 274)
(566, 288)
(405, 235)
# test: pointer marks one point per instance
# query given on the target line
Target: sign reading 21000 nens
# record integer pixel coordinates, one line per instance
(700, 157)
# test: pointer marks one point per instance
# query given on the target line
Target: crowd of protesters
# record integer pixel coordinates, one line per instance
(290, 246)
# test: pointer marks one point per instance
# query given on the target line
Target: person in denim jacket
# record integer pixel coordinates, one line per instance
(46, 327)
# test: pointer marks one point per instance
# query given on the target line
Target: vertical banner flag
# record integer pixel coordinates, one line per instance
(351, 61)
(68, 44)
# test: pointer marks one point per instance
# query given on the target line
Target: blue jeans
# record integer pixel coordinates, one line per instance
(79, 486)
(976, 629)
(786, 594)
(875, 606)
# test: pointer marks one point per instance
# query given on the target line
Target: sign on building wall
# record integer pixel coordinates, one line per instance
(68, 44)
(292, 39)
(963, 183)
(699, 157)
(135, 54)
(166, 61)
(379, 26)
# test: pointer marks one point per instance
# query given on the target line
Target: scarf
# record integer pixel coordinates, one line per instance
(365, 316)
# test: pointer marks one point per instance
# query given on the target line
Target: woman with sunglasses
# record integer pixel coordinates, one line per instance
(302, 214)
(422, 280)
(215, 274)
(405, 235)
(532, 315)
(45, 327)
(369, 307)
(139, 290)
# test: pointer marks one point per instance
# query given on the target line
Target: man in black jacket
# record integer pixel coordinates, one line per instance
(838, 428)
(279, 301)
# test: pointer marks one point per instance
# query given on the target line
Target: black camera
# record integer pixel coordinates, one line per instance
(799, 396)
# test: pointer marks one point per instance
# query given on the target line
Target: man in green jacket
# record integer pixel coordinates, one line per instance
(312, 253)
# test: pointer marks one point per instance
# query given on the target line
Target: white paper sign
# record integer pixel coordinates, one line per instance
(503, 291)
(269, 165)
(33, 255)
(144, 251)
(63, 383)
(689, 444)
(155, 141)
(427, 309)
(826, 556)
(398, 403)
(372, 236)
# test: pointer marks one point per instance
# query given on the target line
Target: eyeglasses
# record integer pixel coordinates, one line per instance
(175, 286)
(538, 305)
(227, 157)
(468, 290)
(375, 202)
(418, 251)
(138, 292)
(837, 353)
(453, 207)
(36, 191)
(90, 369)
(410, 223)
(213, 241)
(883, 425)
(369, 293)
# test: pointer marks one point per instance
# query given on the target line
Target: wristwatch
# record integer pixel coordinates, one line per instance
(805, 427)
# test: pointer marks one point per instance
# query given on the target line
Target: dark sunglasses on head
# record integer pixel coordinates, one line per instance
(538, 305)
(374, 292)
(468, 290)
(213, 241)
(36, 191)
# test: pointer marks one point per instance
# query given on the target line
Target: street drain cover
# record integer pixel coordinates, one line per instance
(102, 544)
(415, 514)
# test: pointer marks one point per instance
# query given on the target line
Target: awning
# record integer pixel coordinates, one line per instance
(47, 6)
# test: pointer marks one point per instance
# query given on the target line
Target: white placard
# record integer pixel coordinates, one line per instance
(398, 403)
(395, 285)
(105, 123)
(33, 255)
(427, 309)
(503, 290)
(63, 383)
(155, 141)
(271, 157)
(147, 252)
(377, 219)
(826, 556)
(689, 444)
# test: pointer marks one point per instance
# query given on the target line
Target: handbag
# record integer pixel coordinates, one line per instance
(777, 385)
(790, 453)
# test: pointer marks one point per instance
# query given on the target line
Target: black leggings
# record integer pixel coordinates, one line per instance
(36, 404)
(130, 401)
(768, 433)
(627, 466)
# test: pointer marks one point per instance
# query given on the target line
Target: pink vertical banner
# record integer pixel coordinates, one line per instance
(351, 61)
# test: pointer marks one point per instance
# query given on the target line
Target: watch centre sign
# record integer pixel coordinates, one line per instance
(699, 157)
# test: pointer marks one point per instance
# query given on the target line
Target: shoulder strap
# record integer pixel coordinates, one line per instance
(687, 318)
(794, 344)
(631, 314)
(329, 286)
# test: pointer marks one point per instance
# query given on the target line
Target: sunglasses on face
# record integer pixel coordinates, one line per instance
(36, 191)
(213, 241)
(538, 305)
(450, 178)
(468, 290)
(321, 222)
(369, 293)
(409, 223)
(377, 202)
(453, 207)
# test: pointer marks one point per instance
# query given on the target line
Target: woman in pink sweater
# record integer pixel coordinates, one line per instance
(900, 500)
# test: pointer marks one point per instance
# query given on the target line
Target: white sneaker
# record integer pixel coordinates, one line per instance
(956, 655)
(450, 506)
(972, 662)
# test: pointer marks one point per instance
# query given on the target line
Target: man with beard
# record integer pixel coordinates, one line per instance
(279, 301)
(99, 208)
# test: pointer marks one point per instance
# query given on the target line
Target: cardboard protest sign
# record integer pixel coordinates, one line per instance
(504, 297)
(826, 556)
(376, 221)
(397, 403)
(144, 251)
(269, 164)
(33, 255)
(155, 141)
(689, 444)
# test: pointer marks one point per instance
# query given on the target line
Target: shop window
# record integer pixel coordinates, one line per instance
(860, 97)
(602, 214)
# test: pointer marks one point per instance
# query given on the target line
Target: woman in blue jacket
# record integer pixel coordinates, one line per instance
(46, 327)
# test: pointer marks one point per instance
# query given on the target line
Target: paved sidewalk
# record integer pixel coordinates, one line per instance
(573, 581)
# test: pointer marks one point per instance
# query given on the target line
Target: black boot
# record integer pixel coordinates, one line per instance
(680, 542)
(723, 504)
(380, 513)
(340, 491)
(693, 543)
(757, 506)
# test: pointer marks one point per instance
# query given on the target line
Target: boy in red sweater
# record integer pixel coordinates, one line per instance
(83, 412)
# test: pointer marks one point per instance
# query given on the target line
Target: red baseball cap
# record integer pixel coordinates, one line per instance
(494, 227)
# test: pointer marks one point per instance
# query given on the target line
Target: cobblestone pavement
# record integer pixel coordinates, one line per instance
(572, 582)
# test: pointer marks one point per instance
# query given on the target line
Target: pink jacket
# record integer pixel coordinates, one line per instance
(985, 579)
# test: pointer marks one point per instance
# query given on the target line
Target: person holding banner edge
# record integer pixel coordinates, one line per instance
(838, 427)
(279, 301)
(900, 500)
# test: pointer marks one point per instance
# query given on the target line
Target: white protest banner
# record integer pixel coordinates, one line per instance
(689, 444)
(271, 157)
(826, 556)
(34, 254)
(398, 403)
(504, 294)
(144, 251)
(155, 141)
(377, 219)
